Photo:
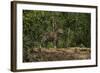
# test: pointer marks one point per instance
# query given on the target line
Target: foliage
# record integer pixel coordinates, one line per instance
(76, 28)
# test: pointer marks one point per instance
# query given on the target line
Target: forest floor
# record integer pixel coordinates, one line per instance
(58, 54)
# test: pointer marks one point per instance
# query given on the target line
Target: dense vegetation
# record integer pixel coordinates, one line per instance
(76, 29)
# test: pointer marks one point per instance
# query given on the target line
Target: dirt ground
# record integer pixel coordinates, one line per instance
(53, 54)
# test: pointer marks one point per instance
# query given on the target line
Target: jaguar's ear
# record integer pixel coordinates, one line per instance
(56, 27)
